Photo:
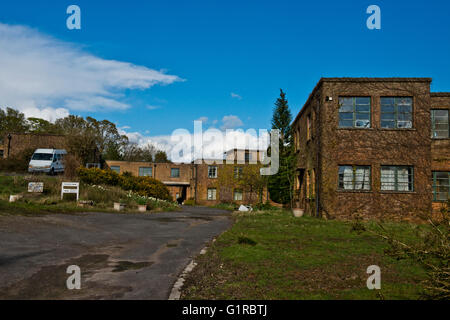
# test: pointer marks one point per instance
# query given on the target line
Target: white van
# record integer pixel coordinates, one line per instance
(47, 161)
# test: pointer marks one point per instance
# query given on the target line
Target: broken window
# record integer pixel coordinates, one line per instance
(212, 194)
(238, 195)
(440, 124)
(397, 178)
(396, 113)
(238, 172)
(441, 186)
(354, 178)
(354, 112)
(212, 172)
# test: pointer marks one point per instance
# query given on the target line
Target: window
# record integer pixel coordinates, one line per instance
(115, 169)
(354, 112)
(145, 171)
(354, 178)
(310, 184)
(238, 172)
(212, 172)
(248, 156)
(396, 113)
(1, 154)
(397, 178)
(308, 127)
(439, 124)
(441, 186)
(212, 194)
(238, 195)
(175, 172)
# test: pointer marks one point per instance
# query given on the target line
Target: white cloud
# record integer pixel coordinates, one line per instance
(203, 119)
(40, 73)
(231, 122)
(212, 149)
(49, 114)
(153, 107)
(236, 96)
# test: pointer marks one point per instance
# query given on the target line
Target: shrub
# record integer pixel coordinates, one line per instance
(145, 186)
(71, 164)
(17, 163)
(190, 202)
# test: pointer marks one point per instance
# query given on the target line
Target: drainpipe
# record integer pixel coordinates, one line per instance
(196, 179)
(9, 143)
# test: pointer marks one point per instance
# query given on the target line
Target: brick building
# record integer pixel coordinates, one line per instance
(207, 182)
(16, 144)
(378, 147)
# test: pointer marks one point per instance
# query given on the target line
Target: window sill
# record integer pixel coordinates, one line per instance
(357, 129)
(398, 129)
(355, 191)
(398, 192)
(439, 139)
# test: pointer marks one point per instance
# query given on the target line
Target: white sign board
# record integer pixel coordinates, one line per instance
(36, 187)
(70, 187)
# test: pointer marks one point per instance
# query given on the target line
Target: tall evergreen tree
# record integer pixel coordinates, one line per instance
(281, 185)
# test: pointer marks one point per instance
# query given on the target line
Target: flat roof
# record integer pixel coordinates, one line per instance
(356, 79)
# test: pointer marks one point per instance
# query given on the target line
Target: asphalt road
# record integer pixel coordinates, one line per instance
(121, 256)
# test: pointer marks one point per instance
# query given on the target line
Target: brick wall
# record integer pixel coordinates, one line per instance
(332, 146)
(24, 142)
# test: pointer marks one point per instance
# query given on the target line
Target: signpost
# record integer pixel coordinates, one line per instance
(70, 187)
(36, 187)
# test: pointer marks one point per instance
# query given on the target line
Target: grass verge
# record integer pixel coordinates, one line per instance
(272, 255)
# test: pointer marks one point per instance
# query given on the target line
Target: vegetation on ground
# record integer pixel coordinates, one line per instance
(98, 197)
(273, 255)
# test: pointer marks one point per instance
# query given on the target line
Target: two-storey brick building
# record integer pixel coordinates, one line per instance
(378, 147)
(207, 182)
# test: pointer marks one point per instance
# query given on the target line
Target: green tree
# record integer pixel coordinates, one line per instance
(12, 121)
(161, 157)
(281, 185)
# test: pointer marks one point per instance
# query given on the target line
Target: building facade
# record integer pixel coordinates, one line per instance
(376, 147)
(207, 182)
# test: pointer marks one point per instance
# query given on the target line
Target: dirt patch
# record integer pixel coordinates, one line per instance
(122, 266)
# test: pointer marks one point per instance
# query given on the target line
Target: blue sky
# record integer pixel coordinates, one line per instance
(216, 59)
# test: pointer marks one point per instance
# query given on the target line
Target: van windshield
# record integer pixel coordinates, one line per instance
(42, 157)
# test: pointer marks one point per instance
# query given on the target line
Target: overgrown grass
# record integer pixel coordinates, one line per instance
(50, 201)
(272, 255)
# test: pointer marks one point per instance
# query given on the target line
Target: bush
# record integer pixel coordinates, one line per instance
(190, 202)
(17, 163)
(145, 186)
(71, 164)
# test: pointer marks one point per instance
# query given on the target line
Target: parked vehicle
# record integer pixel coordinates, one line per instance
(49, 161)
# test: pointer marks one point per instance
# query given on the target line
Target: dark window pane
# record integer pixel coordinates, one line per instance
(388, 124)
(365, 100)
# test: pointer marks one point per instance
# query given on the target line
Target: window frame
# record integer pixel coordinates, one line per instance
(215, 194)
(354, 168)
(238, 191)
(151, 171)
(396, 185)
(354, 112)
(435, 185)
(172, 170)
(433, 124)
(115, 169)
(396, 113)
(237, 172)
(209, 172)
